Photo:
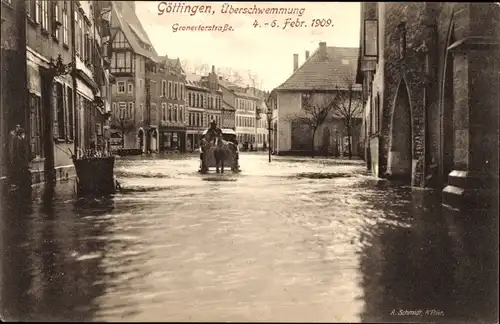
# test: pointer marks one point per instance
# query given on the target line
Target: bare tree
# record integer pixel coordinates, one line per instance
(253, 81)
(316, 110)
(256, 83)
(204, 69)
(236, 77)
(186, 65)
(124, 125)
(348, 106)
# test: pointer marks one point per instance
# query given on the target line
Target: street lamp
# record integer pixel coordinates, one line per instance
(269, 115)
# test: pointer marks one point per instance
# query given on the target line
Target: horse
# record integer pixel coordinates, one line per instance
(218, 148)
(219, 153)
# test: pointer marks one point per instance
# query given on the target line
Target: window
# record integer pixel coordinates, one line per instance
(120, 41)
(65, 23)
(122, 109)
(176, 113)
(141, 108)
(170, 112)
(78, 32)
(32, 10)
(153, 89)
(120, 60)
(153, 114)
(130, 110)
(170, 93)
(59, 126)
(56, 19)
(36, 126)
(164, 112)
(163, 88)
(181, 113)
(70, 107)
(44, 12)
(141, 82)
(130, 87)
(114, 111)
(121, 86)
(86, 46)
(177, 91)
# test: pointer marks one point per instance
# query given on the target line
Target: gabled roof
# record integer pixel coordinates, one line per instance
(194, 81)
(124, 18)
(227, 84)
(325, 74)
(172, 64)
(245, 95)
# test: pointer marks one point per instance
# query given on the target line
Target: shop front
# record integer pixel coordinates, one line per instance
(193, 140)
(173, 139)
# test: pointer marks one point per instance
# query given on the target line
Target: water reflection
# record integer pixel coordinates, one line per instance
(13, 250)
(47, 272)
(311, 241)
(412, 264)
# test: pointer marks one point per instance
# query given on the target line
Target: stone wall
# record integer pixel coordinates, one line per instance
(409, 71)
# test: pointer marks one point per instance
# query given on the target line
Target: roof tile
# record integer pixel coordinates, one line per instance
(325, 74)
(129, 23)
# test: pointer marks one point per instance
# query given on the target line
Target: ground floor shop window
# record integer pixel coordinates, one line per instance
(192, 141)
(171, 140)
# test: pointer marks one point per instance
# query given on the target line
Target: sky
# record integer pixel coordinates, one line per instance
(265, 51)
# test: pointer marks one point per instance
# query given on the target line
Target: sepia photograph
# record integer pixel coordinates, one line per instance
(206, 161)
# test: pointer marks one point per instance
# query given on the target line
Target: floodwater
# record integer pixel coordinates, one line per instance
(295, 240)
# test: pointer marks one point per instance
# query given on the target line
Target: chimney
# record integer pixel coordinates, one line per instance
(322, 50)
(307, 55)
(295, 62)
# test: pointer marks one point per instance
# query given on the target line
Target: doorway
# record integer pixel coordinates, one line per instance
(400, 155)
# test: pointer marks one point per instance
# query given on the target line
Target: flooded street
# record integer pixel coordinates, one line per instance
(296, 240)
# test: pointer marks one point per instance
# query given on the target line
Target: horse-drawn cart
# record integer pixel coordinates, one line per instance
(219, 151)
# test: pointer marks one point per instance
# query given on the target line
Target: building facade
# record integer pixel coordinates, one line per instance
(172, 106)
(205, 103)
(228, 115)
(247, 117)
(261, 125)
(328, 73)
(132, 52)
(197, 116)
(64, 37)
(245, 114)
(430, 78)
